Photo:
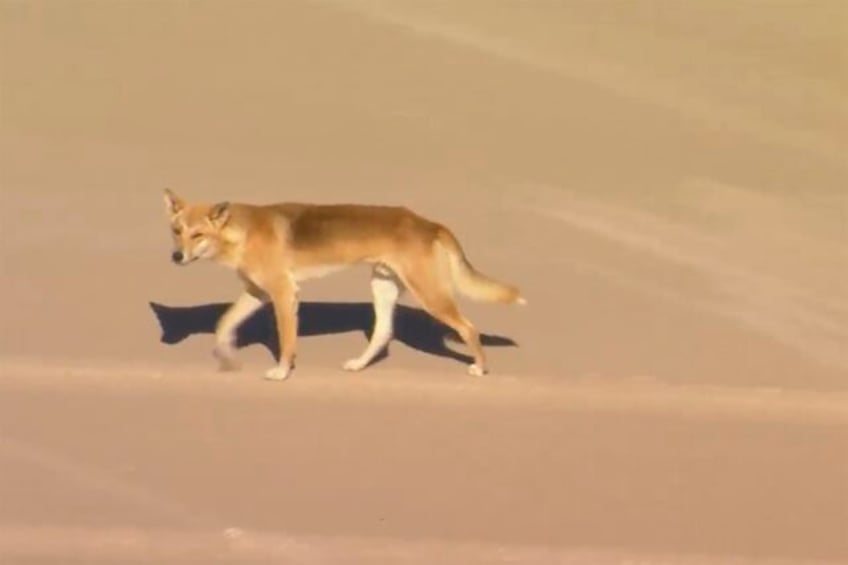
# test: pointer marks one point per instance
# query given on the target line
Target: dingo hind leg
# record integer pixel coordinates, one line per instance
(434, 293)
(386, 289)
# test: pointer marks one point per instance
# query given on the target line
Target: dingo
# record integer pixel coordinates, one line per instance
(274, 247)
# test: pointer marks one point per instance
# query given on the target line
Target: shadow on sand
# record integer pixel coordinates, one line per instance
(413, 327)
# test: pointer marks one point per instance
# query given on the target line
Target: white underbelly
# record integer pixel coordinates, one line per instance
(316, 271)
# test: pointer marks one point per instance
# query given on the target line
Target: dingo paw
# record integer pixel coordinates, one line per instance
(280, 373)
(476, 370)
(354, 364)
(226, 358)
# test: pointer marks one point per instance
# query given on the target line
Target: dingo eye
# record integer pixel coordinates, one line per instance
(176, 231)
(196, 235)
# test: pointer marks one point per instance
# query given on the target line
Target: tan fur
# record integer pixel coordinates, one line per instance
(274, 247)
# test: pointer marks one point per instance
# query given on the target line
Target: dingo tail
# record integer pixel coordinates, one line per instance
(471, 282)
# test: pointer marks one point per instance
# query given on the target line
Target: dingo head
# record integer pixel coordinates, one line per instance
(196, 229)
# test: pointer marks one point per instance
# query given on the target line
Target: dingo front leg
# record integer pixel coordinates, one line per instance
(285, 303)
(225, 332)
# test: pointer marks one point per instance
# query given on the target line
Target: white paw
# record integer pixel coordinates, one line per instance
(277, 373)
(225, 355)
(354, 364)
(476, 370)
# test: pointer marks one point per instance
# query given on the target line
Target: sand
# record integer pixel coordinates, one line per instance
(666, 183)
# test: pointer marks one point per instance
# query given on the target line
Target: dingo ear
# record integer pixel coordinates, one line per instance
(173, 203)
(219, 214)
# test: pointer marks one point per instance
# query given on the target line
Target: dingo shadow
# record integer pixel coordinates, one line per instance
(412, 326)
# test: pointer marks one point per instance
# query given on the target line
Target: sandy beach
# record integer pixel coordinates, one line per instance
(665, 182)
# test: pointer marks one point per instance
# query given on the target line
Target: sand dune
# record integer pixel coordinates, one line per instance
(664, 181)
